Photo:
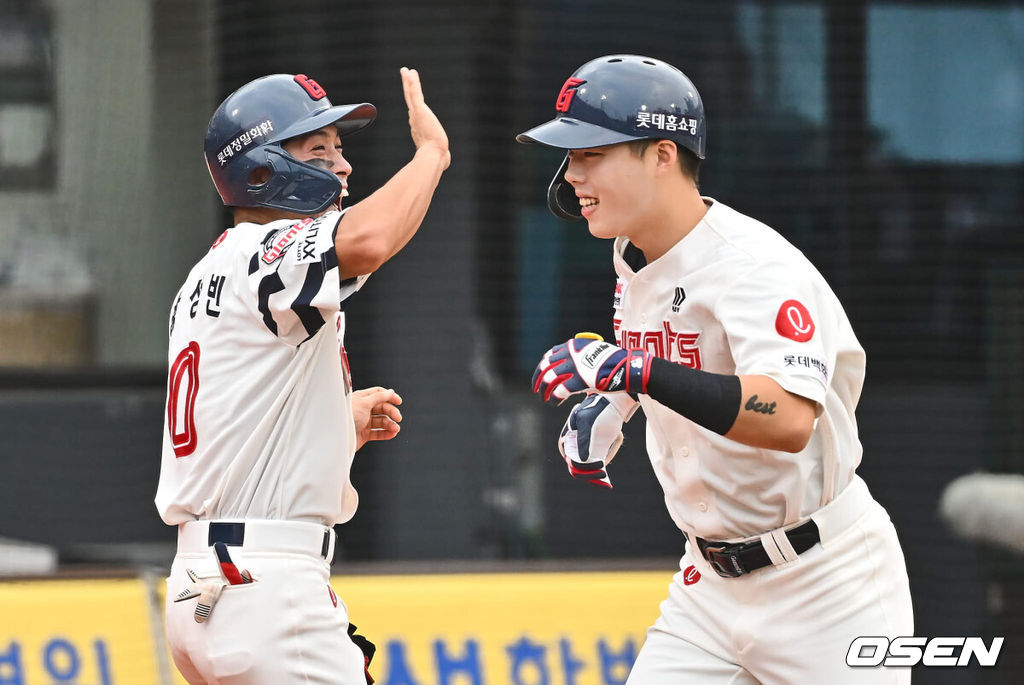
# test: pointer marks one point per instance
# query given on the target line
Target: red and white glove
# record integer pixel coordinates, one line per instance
(588, 364)
(593, 434)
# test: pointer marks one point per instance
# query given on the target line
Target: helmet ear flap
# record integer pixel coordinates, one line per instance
(562, 200)
(285, 175)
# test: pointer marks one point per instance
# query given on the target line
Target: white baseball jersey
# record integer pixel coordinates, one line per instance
(259, 420)
(734, 297)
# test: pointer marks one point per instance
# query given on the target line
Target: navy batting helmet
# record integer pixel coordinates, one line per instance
(616, 99)
(244, 150)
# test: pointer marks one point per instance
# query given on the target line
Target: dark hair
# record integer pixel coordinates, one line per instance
(689, 162)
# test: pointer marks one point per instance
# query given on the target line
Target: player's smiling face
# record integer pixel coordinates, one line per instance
(322, 148)
(614, 189)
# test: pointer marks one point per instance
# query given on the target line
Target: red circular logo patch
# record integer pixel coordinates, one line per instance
(691, 575)
(334, 597)
(794, 321)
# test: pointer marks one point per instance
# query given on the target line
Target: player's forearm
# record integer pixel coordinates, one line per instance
(375, 229)
(420, 178)
(753, 410)
(772, 418)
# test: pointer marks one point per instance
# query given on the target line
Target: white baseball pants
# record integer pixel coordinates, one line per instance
(790, 623)
(286, 627)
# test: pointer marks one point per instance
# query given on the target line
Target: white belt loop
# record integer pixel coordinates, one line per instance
(778, 547)
(840, 514)
(332, 545)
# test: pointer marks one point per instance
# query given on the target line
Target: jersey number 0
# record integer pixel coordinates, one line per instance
(182, 387)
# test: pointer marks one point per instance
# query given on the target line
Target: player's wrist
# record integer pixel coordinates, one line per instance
(638, 367)
(630, 374)
(624, 403)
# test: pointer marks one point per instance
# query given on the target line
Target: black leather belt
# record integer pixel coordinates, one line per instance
(732, 560)
(232, 533)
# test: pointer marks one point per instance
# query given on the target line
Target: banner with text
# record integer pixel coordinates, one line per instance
(86, 632)
(454, 629)
(504, 629)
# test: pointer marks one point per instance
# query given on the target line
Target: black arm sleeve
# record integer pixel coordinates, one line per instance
(711, 400)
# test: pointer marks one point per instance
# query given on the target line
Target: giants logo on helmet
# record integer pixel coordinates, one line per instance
(565, 95)
(310, 86)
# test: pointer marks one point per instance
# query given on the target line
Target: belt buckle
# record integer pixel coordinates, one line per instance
(725, 562)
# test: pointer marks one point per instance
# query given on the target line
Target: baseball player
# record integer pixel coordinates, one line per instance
(262, 423)
(748, 373)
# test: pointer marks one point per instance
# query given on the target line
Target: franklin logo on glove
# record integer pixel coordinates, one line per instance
(591, 357)
(586, 363)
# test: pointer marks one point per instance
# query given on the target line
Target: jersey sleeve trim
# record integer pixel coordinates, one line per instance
(803, 386)
(348, 281)
(296, 289)
(310, 316)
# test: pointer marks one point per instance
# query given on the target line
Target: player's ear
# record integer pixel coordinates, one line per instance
(666, 154)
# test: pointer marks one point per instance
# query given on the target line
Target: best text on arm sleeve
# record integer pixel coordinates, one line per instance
(753, 410)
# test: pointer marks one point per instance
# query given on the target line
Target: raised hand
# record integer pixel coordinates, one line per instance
(425, 127)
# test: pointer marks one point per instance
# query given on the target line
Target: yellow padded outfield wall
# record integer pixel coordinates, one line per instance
(86, 632)
(504, 629)
(453, 629)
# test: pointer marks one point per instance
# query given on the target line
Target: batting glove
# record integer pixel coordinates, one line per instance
(588, 365)
(593, 434)
(206, 589)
